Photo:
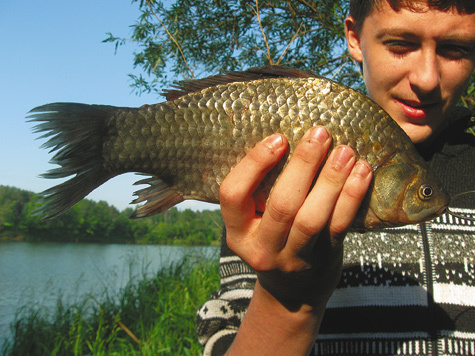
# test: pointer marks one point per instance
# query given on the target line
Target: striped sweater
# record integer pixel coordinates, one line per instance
(403, 291)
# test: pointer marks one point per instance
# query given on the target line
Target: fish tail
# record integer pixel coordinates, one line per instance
(76, 134)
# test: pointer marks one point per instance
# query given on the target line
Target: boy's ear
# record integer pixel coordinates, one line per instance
(353, 39)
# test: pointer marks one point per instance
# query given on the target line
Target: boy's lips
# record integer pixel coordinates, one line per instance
(413, 109)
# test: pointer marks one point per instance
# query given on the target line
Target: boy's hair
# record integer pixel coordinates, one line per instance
(360, 9)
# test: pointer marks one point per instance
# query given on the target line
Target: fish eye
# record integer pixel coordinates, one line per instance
(426, 192)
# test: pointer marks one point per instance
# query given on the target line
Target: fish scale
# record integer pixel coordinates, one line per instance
(190, 143)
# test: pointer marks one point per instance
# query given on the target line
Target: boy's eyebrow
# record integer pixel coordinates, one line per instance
(395, 32)
(469, 41)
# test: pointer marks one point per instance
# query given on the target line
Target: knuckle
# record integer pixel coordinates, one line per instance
(353, 193)
(293, 260)
(306, 155)
(310, 152)
(228, 196)
(260, 262)
(295, 265)
(268, 150)
(356, 187)
(257, 258)
(259, 155)
(338, 229)
(281, 211)
(225, 190)
(308, 226)
(333, 177)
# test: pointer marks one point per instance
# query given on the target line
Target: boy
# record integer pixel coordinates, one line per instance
(403, 291)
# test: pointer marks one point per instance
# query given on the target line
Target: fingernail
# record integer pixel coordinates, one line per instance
(274, 141)
(342, 155)
(362, 169)
(319, 134)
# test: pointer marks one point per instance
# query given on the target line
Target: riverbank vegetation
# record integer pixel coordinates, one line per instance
(89, 221)
(155, 316)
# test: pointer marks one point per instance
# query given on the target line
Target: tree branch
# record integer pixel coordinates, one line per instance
(172, 38)
(269, 57)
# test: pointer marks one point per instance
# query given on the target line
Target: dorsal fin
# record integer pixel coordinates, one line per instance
(190, 86)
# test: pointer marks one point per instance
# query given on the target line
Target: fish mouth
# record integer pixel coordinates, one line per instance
(442, 210)
(378, 223)
(432, 216)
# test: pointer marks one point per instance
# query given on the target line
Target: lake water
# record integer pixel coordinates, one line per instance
(39, 273)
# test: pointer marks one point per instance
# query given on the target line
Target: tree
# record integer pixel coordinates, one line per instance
(89, 221)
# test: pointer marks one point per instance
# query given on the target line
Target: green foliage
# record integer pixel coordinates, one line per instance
(152, 317)
(89, 221)
(189, 227)
(227, 35)
(468, 100)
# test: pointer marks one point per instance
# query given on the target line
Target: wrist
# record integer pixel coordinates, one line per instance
(269, 328)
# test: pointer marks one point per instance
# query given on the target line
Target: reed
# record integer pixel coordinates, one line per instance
(154, 316)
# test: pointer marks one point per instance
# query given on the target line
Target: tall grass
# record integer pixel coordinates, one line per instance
(155, 316)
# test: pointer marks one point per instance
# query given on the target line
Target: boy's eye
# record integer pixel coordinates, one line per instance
(400, 47)
(454, 51)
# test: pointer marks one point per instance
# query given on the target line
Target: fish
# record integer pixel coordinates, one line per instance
(188, 144)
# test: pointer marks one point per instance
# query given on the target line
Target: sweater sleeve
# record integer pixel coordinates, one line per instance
(218, 320)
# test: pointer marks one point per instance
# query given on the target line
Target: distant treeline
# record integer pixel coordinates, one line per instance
(89, 221)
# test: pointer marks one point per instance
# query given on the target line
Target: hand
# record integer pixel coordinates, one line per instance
(296, 245)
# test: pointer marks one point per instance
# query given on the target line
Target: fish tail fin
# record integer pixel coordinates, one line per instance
(75, 133)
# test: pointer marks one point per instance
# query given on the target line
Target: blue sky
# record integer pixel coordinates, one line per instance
(52, 50)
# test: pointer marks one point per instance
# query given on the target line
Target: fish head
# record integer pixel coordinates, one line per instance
(404, 191)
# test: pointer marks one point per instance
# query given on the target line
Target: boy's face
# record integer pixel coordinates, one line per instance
(416, 64)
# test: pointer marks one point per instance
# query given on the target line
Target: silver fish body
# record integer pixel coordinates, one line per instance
(189, 143)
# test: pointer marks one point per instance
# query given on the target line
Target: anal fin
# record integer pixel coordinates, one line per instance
(159, 196)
